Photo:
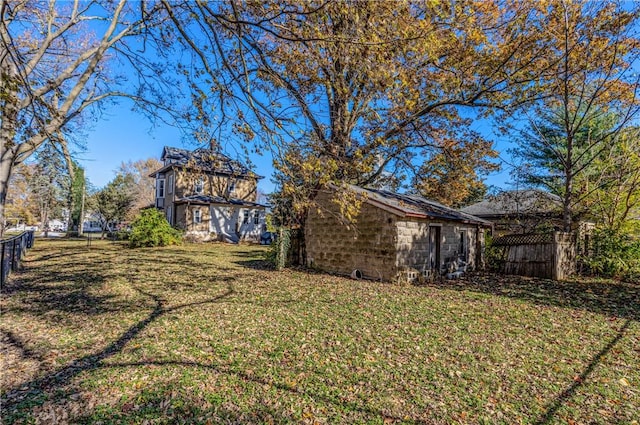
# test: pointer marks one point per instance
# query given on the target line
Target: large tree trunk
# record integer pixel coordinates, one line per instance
(81, 220)
(45, 221)
(6, 163)
(567, 219)
(8, 120)
(567, 212)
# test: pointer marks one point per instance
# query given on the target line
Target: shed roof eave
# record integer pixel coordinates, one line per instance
(389, 208)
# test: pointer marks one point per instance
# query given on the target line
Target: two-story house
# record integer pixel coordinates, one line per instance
(209, 195)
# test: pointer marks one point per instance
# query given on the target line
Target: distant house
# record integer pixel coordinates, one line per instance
(528, 228)
(520, 211)
(57, 225)
(93, 222)
(209, 195)
(396, 236)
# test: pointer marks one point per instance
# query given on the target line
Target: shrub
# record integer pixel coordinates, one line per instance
(150, 228)
(614, 255)
(493, 255)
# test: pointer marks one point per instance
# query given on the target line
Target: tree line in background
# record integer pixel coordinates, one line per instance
(44, 190)
(371, 93)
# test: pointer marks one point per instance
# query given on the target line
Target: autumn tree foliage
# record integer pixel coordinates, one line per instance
(587, 101)
(344, 91)
(453, 176)
(141, 185)
(614, 180)
(21, 207)
(38, 189)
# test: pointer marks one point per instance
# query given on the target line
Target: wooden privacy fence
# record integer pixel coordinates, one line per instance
(548, 255)
(11, 252)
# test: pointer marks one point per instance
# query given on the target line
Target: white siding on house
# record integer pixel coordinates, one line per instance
(249, 229)
(228, 222)
(223, 221)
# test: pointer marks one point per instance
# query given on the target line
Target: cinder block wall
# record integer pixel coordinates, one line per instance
(413, 242)
(381, 244)
(369, 246)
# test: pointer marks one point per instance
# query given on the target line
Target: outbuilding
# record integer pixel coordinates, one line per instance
(393, 237)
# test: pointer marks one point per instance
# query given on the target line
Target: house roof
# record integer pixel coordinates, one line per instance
(203, 159)
(517, 202)
(207, 200)
(414, 206)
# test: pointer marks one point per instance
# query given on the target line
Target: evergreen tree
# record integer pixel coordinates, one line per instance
(47, 184)
(114, 201)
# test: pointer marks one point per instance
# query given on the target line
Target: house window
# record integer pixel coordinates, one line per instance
(199, 187)
(169, 214)
(245, 220)
(170, 184)
(232, 186)
(197, 217)
(160, 188)
(256, 217)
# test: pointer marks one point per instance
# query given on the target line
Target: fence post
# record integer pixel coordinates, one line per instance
(10, 256)
(13, 255)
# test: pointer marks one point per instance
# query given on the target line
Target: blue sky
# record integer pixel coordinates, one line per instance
(122, 135)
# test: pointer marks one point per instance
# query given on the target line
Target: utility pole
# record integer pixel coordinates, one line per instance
(81, 224)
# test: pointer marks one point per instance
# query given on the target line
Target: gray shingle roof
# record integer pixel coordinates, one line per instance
(416, 206)
(206, 160)
(523, 202)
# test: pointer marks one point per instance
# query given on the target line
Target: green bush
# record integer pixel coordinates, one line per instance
(493, 255)
(614, 255)
(150, 228)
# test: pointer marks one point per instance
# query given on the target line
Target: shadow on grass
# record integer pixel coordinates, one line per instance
(262, 416)
(553, 408)
(31, 393)
(10, 339)
(150, 406)
(53, 387)
(59, 255)
(257, 264)
(616, 299)
(250, 253)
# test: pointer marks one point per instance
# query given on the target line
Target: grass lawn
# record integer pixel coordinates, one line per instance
(206, 333)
